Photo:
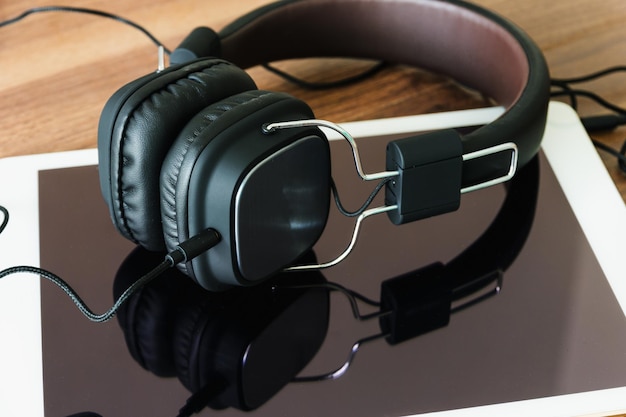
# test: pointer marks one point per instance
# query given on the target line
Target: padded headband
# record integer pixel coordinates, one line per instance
(472, 45)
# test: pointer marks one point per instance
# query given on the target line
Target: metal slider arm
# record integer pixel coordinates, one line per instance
(425, 172)
(271, 127)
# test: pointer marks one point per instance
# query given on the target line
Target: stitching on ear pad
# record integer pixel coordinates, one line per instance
(177, 167)
(136, 129)
(223, 172)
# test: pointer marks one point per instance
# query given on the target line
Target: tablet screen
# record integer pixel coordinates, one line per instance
(555, 328)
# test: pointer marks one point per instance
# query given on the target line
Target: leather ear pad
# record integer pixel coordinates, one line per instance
(137, 127)
(183, 154)
(229, 135)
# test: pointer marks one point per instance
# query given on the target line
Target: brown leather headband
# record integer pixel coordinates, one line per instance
(470, 44)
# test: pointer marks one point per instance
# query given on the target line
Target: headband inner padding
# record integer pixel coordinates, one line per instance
(470, 45)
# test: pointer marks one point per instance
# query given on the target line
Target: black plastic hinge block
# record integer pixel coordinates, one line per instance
(202, 42)
(429, 170)
(416, 303)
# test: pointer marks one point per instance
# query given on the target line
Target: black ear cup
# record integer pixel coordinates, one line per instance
(250, 342)
(137, 127)
(183, 155)
(224, 172)
(184, 150)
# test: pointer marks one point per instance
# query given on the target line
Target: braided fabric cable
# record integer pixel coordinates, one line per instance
(67, 289)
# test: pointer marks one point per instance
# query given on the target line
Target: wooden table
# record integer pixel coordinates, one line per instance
(58, 69)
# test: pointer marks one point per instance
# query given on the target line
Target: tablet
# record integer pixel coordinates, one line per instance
(553, 342)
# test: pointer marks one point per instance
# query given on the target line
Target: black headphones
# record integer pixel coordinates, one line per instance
(197, 146)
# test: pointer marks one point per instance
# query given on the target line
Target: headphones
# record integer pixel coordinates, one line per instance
(196, 146)
(192, 147)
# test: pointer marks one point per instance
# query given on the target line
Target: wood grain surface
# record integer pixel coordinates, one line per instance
(58, 69)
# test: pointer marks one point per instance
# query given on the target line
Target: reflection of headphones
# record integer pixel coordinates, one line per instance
(231, 349)
(184, 149)
(240, 347)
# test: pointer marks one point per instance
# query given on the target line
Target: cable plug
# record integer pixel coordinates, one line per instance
(193, 247)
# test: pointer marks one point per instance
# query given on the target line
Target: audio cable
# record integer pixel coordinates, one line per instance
(605, 122)
(184, 252)
(376, 67)
(366, 203)
(83, 10)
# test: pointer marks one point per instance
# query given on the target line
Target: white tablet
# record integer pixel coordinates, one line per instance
(553, 342)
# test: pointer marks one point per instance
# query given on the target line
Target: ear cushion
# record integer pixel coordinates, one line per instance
(183, 154)
(137, 128)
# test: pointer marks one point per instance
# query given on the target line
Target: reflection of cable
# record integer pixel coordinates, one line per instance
(82, 10)
(184, 252)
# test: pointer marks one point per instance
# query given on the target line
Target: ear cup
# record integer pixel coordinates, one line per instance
(137, 128)
(204, 176)
(183, 156)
